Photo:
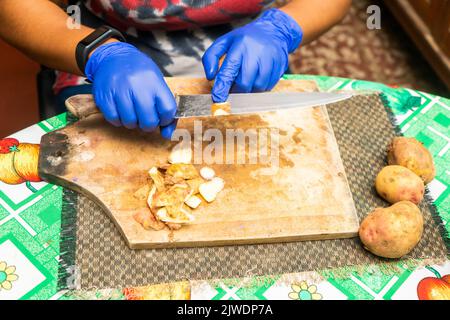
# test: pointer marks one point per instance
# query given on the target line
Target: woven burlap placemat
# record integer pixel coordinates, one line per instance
(102, 259)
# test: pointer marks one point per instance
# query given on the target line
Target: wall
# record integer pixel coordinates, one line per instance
(18, 94)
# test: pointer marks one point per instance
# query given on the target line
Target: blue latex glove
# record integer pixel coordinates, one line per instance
(130, 90)
(256, 55)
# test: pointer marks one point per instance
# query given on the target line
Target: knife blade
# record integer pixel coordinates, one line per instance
(241, 103)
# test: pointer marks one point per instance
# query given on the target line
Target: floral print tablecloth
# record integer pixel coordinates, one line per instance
(30, 222)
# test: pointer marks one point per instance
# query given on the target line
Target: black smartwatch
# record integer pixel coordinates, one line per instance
(92, 41)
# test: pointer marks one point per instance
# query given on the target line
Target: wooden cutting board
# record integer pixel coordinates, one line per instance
(306, 198)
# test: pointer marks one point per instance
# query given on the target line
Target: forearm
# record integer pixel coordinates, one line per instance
(316, 17)
(38, 28)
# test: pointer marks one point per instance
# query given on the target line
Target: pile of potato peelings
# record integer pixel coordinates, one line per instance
(178, 188)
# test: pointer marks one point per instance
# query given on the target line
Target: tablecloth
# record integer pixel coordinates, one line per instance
(30, 223)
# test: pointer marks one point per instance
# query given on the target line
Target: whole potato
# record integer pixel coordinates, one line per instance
(397, 183)
(392, 232)
(410, 153)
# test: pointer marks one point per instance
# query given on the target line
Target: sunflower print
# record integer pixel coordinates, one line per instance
(7, 276)
(303, 291)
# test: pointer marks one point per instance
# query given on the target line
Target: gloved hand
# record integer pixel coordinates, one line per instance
(256, 55)
(130, 90)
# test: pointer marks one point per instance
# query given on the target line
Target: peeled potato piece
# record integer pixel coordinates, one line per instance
(218, 183)
(210, 189)
(220, 109)
(207, 173)
(181, 154)
(220, 112)
(193, 202)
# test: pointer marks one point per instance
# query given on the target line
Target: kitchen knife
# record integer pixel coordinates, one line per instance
(200, 104)
(241, 103)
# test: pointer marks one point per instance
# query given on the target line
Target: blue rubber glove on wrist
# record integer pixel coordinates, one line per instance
(256, 55)
(130, 90)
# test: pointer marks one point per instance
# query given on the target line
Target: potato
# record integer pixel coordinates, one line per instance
(397, 183)
(410, 153)
(392, 232)
(210, 189)
(181, 153)
(221, 108)
(193, 202)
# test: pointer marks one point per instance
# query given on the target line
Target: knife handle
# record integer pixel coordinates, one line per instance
(81, 105)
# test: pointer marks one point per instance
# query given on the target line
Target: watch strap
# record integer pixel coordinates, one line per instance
(92, 41)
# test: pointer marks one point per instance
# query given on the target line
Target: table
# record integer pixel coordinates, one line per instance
(30, 222)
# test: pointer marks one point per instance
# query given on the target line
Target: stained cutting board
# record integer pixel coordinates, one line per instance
(306, 198)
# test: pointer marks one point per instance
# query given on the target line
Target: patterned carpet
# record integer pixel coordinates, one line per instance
(351, 50)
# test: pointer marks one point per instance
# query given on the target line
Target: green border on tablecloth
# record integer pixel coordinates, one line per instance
(16, 206)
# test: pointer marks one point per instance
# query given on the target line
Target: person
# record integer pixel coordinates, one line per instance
(165, 38)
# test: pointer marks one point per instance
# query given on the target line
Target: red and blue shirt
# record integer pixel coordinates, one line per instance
(173, 14)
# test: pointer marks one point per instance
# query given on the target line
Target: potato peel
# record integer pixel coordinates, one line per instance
(174, 226)
(145, 218)
(150, 197)
(174, 214)
(182, 170)
(194, 184)
(175, 195)
(158, 178)
(142, 192)
(170, 180)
